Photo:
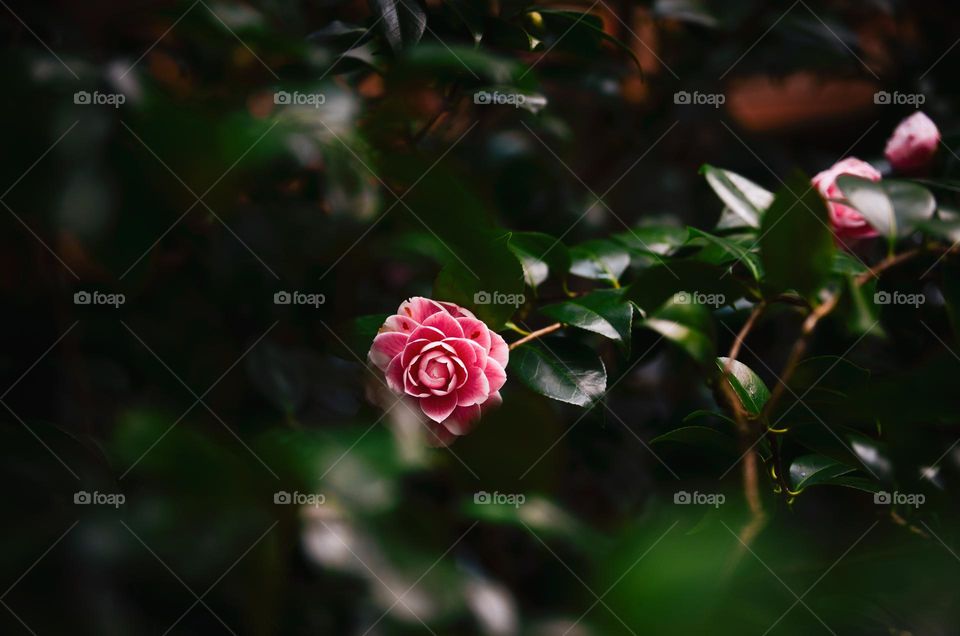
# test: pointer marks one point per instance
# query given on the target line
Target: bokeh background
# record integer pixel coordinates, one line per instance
(199, 399)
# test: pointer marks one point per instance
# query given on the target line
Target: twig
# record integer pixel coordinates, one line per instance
(823, 310)
(535, 334)
(750, 464)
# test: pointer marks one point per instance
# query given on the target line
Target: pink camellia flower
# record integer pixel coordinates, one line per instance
(444, 359)
(913, 144)
(848, 224)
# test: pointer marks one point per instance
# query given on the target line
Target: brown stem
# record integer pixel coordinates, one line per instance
(750, 470)
(823, 310)
(533, 335)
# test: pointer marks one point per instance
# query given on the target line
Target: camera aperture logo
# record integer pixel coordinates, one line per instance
(697, 298)
(99, 298)
(298, 298)
(97, 498)
(899, 298)
(884, 498)
(501, 99)
(296, 98)
(96, 98)
(896, 98)
(484, 498)
(684, 498)
(498, 298)
(297, 498)
(696, 98)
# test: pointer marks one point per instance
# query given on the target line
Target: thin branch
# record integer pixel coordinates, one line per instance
(535, 334)
(750, 466)
(823, 310)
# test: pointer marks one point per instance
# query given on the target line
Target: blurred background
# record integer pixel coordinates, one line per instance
(183, 454)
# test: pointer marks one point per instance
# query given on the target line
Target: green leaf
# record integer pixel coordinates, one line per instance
(660, 283)
(912, 204)
(796, 244)
(443, 62)
(402, 21)
(496, 275)
(470, 13)
(599, 260)
(700, 437)
(560, 369)
(605, 312)
(540, 255)
(845, 264)
(655, 240)
(814, 470)
(743, 197)
(737, 252)
(360, 332)
(572, 23)
(688, 325)
(748, 386)
(894, 208)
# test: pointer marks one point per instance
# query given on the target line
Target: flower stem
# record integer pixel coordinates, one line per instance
(533, 335)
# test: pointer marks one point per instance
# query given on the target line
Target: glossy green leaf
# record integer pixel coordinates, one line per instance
(540, 255)
(743, 198)
(702, 437)
(656, 285)
(572, 23)
(688, 325)
(606, 312)
(656, 240)
(796, 244)
(894, 208)
(813, 470)
(401, 21)
(560, 369)
(599, 260)
(735, 251)
(748, 386)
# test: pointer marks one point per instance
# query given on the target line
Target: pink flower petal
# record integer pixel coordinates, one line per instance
(468, 351)
(445, 323)
(438, 407)
(402, 324)
(394, 375)
(427, 333)
(418, 308)
(475, 330)
(499, 350)
(462, 420)
(475, 390)
(492, 402)
(385, 347)
(913, 144)
(496, 376)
